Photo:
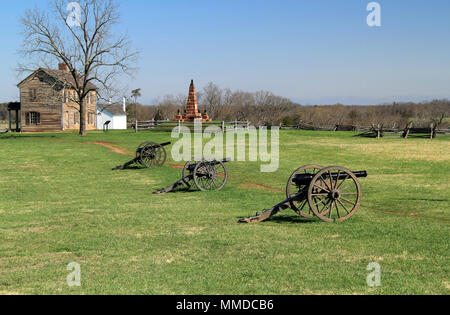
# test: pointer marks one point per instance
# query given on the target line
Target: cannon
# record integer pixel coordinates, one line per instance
(332, 194)
(149, 155)
(207, 175)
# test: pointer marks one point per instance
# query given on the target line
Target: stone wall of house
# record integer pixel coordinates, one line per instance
(72, 113)
(37, 96)
(43, 95)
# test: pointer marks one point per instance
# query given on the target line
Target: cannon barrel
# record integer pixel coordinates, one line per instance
(305, 179)
(213, 163)
(152, 146)
(155, 145)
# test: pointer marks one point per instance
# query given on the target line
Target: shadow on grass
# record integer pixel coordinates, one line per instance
(292, 219)
(373, 135)
(10, 137)
(130, 168)
(419, 136)
(365, 135)
(178, 191)
(284, 219)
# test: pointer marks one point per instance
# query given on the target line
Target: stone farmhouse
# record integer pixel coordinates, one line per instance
(47, 103)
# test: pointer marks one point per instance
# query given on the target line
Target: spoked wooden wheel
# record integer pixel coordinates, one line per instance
(140, 148)
(334, 194)
(301, 205)
(153, 155)
(210, 176)
(189, 167)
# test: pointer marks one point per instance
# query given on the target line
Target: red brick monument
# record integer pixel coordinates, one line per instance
(192, 113)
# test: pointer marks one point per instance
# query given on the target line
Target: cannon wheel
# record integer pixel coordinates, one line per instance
(301, 206)
(209, 177)
(334, 200)
(140, 148)
(187, 165)
(186, 171)
(152, 155)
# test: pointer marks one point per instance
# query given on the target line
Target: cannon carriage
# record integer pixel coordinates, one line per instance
(148, 155)
(332, 194)
(206, 175)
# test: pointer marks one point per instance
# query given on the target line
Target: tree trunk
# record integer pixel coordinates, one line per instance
(407, 131)
(135, 115)
(433, 131)
(336, 127)
(83, 118)
(378, 130)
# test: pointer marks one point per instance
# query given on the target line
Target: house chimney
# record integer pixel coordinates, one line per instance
(63, 67)
(124, 104)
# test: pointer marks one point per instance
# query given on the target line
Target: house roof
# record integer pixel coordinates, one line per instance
(115, 109)
(59, 75)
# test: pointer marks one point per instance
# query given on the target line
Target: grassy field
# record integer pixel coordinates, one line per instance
(61, 203)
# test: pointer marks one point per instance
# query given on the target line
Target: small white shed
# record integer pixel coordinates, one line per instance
(115, 113)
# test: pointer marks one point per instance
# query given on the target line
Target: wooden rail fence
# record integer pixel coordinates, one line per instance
(224, 126)
(376, 131)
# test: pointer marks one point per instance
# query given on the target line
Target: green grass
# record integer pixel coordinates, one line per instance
(61, 203)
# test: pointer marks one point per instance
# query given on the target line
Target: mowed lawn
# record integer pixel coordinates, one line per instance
(61, 203)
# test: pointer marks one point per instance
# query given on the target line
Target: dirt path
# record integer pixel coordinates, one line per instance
(112, 148)
(248, 186)
(404, 214)
(177, 166)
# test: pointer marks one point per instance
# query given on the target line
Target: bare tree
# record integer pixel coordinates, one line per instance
(407, 130)
(266, 108)
(212, 99)
(88, 45)
(169, 106)
(436, 122)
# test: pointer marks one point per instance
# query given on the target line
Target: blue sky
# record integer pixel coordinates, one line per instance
(315, 51)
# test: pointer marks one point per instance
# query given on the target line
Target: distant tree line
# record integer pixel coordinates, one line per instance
(3, 111)
(266, 108)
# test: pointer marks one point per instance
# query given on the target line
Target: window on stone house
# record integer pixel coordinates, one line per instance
(33, 94)
(32, 118)
(76, 118)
